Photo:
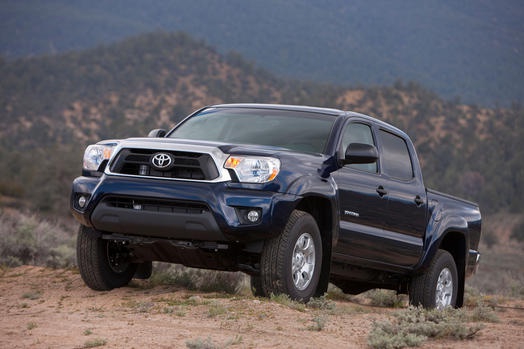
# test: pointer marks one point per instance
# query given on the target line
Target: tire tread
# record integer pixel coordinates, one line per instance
(273, 259)
(93, 265)
(421, 290)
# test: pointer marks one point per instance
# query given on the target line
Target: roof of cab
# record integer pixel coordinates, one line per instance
(329, 111)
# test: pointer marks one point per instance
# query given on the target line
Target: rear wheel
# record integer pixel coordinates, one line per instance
(291, 262)
(438, 287)
(103, 264)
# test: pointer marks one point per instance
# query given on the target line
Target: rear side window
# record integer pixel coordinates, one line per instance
(396, 161)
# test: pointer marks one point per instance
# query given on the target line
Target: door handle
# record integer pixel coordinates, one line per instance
(381, 191)
(419, 201)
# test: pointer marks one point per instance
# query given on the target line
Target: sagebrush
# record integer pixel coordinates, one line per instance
(28, 239)
(414, 325)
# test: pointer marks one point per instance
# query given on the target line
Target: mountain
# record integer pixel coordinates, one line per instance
(51, 107)
(473, 49)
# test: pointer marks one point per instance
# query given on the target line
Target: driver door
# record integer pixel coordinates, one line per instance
(363, 209)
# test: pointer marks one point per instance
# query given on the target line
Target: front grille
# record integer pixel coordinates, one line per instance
(167, 206)
(186, 165)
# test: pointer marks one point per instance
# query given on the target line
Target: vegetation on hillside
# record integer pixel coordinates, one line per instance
(53, 106)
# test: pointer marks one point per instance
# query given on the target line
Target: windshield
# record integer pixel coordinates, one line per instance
(295, 130)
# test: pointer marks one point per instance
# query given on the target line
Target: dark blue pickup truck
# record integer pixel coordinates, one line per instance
(294, 196)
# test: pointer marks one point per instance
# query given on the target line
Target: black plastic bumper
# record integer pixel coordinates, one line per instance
(180, 210)
(144, 218)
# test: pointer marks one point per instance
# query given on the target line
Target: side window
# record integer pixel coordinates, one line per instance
(395, 161)
(359, 133)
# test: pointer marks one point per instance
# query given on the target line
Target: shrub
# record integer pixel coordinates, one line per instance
(288, 302)
(27, 239)
(518, 232)
(200, 343)
(216, 309)
(319, 322)
(414, 325)
(485, 313)
(93, 343)
(11, 188)
(321, 303)
(489, 238)
(384, 298)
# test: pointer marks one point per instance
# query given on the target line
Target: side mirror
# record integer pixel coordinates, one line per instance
(359, 153)
(157, 133)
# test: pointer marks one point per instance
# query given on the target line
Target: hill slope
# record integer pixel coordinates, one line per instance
(473, 49)
(55, 105)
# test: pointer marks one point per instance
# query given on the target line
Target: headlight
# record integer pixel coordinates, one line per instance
(252, 169)
(95, 154)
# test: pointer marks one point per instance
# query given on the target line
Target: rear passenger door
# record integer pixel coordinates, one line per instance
(405, 220)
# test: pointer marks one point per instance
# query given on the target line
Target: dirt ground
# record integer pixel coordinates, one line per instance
(45, 308)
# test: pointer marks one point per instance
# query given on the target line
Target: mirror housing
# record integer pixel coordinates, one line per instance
(157, 133)
(359, 153)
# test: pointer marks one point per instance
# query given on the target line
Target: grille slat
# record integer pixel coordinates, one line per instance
(186, 165)
(156, 205)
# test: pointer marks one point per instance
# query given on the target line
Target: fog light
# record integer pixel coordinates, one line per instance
(137, 206)
(82, 201)
(253, 216)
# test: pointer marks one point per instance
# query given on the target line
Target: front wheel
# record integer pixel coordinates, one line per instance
(103, 264)
(291, 262)
(438, 286)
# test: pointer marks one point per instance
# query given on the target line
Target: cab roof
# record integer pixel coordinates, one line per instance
(328, 111)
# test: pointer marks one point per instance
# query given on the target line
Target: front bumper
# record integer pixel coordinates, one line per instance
(180, 210)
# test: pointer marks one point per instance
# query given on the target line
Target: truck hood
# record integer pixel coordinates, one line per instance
(226, 148)
(294, 165)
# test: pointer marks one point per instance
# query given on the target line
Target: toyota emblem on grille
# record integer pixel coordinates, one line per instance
(162, 161)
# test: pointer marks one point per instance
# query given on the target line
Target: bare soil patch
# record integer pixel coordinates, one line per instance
(48, 308)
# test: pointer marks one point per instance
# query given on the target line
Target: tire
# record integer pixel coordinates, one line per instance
(256, 286)
(438, 286)
(291, 262)
(102, 263)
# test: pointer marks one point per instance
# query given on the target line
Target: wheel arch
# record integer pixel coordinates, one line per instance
(321, 208)
(324, 212)
(455, 243)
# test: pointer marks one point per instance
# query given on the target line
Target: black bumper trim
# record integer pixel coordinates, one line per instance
(190, 225)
